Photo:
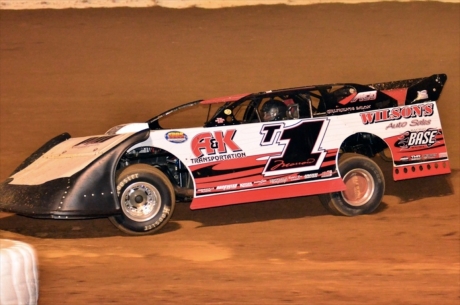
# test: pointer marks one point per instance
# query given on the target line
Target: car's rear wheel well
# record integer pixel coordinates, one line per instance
(363, 143)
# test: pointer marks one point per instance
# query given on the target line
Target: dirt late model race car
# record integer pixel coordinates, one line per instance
(312, 140)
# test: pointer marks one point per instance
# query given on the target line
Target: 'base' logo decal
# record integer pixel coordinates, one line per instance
(418, 138)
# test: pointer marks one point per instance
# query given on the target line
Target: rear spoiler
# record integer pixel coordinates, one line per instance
(431, 86)
(418, 89)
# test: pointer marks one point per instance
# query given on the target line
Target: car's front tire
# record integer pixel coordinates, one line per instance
(146, 198)
(365, 187)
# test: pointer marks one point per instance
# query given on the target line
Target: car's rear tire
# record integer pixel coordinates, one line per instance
(365, 184)
(146, 198)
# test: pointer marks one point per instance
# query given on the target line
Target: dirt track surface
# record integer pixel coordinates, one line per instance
(83, 71)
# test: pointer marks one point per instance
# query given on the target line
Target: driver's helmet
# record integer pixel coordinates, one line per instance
(273, 110)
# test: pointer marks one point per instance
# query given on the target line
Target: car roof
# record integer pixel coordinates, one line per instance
(236, 97)
(225, 99)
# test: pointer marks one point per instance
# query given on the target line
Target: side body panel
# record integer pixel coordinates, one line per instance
(414, 136)
(271, 160)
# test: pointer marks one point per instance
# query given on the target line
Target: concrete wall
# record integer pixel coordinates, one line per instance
(61, 4)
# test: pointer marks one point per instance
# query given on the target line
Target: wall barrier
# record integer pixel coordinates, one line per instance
(210, 4)
(18, 273)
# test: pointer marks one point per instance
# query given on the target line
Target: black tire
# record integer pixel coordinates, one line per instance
(358, 172)
(146, 199)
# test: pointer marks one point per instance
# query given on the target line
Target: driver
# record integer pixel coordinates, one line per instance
(273, 110)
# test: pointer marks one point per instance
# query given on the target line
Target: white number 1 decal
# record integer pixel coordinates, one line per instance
(302, 150)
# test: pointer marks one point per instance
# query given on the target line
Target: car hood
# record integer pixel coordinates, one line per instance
(67, 158)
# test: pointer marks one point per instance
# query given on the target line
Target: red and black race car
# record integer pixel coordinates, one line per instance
(312, 140)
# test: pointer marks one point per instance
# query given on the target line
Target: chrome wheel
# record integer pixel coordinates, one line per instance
(146, 197)
(364, 187)
(141, 201)
(360, 187)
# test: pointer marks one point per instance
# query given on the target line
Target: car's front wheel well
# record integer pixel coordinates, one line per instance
(166, 162)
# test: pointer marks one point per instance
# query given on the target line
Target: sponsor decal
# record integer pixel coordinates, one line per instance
(363, 107)
(176, 137)
(226, 187)
(443, 155)
(213, 143)
(365, 96)
(278, 180)
(227, 111)
(404, 159)
(422, 122)
(415, 157)
(338, 110)
(417, 138)
(429, 156)
(396, 125)
(220, 120)
(326, 174)
(259, 182)
(295, 178)
(246, 184)
(310, 176)
(205, 190)
(217, 158)
(349, 109)
(393, 114)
